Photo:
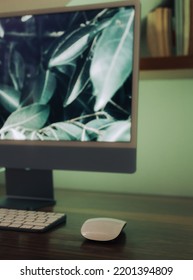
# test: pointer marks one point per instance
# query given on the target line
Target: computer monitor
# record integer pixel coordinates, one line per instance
(68, 95)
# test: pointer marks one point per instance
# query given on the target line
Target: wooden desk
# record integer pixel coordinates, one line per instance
(158, 228)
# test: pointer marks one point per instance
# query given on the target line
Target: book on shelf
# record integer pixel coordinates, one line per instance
(170, 30)
(191, 30)
(167, 30)
(179, 26)
(184, 26)
(151, 34)
(159, 32)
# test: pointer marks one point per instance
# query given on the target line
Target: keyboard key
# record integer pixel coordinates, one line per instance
(32, 221)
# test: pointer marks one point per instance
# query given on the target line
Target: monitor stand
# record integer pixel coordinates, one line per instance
(28, 189)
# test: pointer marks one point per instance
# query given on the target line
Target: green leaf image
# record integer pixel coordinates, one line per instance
(95, 126)
(112, 61)
(119, 131)
(13, 133)
(17, 69)
(33, 117)
(67, 76)
(62, 131)
(78, 83)
(44, 87)
(67, 69)
(9, 98)
(71, 46)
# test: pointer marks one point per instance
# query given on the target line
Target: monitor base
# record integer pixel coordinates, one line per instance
(28, 189)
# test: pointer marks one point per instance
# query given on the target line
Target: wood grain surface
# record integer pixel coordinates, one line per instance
(157, 228)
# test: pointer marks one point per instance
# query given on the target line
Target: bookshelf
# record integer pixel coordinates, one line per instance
(169, 41)
(174, 67)
(167, 63)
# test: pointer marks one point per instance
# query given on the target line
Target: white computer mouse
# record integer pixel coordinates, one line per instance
(102, 229)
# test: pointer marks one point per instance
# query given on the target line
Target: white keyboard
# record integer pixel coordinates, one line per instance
(31, 221)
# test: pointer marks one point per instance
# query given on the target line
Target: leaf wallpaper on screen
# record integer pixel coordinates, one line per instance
(67, 76)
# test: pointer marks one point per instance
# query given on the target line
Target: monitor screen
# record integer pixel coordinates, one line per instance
(68, 90)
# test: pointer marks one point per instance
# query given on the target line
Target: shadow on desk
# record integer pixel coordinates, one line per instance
(103, 250)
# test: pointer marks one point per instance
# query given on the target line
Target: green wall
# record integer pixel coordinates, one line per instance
(165, 145)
